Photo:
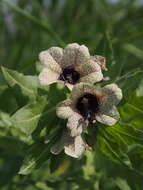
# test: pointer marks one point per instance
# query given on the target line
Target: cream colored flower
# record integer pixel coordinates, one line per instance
(73, 146)
(70, 65)
(89, 104)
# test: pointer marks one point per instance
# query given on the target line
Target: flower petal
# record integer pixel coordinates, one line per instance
(87, 67)
(107, 120)
(114, 94)
(76, 124)
(83, 56)
(69, 56)
(47, 60)
(64, 110)
(113, 112)
(65, 140)
(47, 77)
(110, 110)
(100, 61)
(57, 148)
(92, 77)
(108, 116)
(76, 148)
(56, 53)
(75, 54)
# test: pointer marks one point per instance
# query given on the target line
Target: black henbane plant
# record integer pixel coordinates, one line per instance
(88, 103)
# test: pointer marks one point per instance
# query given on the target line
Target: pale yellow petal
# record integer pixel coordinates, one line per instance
(56, 53)
(100, 60)
(73, 146)
(92, 77)
(76, 148)
(70, 53)
(109, 110)
(64, 109)
(57, 148)
(64, 140)
(47, 77)
(83, 56)
(108, 115)
(114, 94)
(76, 124)
(113, 112)
(87, 67)
(107, 120)
(48, 61)
(74, 54)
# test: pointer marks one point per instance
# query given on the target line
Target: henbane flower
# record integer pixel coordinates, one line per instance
(89, 104)
(73, 146)
(70, 65)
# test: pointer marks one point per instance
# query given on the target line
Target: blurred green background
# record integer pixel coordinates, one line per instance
(111, 28)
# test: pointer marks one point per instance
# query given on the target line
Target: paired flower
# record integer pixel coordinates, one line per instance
(88, 103)
(70, 65)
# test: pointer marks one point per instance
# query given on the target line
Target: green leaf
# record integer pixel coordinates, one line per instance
(133, 50)
(112, 150)
(130, 81)
(39, 152)
(12, 144)
(27, 84)
(5, 119)
(109, 50)
(36, 155)
(122, 183)
(27, 118)
(56, 162)
(125, 135)
(132, 111)
(8, 100)
(121, 176)
(139, 91)
(106, 48)
(115, 141)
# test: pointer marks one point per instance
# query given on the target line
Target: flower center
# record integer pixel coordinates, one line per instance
(69, 75)
(88, 106)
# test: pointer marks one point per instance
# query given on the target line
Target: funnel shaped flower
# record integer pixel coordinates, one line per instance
(70, 65)
(89, 104)
(73, 146)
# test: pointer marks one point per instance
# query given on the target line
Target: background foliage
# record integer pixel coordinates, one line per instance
(28, 124)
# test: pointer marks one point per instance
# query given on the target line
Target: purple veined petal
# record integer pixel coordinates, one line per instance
(64, 109)
(76, 148)
(105, 119)
(114, 94)
(56, 53)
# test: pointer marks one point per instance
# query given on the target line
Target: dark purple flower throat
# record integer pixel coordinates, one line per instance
(88, 106)
(69, 75)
